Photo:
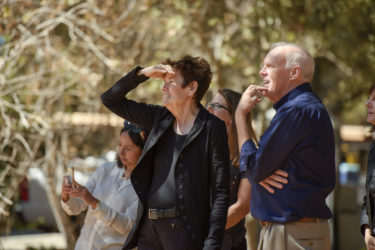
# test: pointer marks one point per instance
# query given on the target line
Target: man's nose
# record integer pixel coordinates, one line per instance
(368, 104)
(262, 72)
(164, 87)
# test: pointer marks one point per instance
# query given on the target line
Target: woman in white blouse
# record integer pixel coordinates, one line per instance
(108, 195)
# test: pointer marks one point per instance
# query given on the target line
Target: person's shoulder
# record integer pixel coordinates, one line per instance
(306, 98)
(104, 170)
(304, 101)
(107, 166)
(205, 117)
(213, 120)
(164, 113)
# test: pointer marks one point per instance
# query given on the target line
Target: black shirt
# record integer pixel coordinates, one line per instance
(163, 189)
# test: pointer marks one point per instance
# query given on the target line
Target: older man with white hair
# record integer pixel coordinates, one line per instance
(300, 141)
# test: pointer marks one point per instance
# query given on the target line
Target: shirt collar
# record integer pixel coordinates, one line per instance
(304, 87)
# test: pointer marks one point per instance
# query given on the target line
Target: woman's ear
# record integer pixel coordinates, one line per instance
(193, 87)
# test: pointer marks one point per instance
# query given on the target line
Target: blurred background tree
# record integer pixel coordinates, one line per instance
(58, 56)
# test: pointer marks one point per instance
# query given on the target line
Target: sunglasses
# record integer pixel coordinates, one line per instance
(135, 129)
(216, 106)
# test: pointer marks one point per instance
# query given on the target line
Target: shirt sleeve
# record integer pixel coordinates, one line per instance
(121, 222)
(276, 144)
(73, 206)
(247, 151)
(115, 100)
(244, 175)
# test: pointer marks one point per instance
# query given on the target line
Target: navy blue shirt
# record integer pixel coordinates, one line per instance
(300, 141)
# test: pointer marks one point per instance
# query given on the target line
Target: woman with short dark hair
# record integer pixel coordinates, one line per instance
(182, 177)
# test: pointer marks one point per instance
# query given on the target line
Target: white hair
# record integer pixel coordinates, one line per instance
(299, 57)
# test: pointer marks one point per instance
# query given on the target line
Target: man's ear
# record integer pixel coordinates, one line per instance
(193, 87)
(295, 73)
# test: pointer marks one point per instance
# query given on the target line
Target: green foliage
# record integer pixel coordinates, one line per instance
(80, 48)
(59, 56)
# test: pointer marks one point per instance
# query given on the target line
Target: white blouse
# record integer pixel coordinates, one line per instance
(108, 225)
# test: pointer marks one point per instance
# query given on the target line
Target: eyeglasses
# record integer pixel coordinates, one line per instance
(216, 106)
(135, 129)
(132, 126)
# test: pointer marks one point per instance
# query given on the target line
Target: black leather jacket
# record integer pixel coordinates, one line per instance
(368, 208)
(201, 171)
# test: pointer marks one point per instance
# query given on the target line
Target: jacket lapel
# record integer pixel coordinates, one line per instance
(162, 126)
(198, 126)
(157, 131)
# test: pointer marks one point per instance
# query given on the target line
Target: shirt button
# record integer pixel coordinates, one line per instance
(135, 182)
(181, 186)
(181, 207)
(184, 217)
(193, 236)
(180, 196)
(180, 176)
(188, 227)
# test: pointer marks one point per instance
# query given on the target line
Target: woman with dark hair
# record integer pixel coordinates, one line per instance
(368, 208)
(108, 195)
(223, 105)
(182, 178)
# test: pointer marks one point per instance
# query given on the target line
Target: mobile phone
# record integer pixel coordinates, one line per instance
(68, 180)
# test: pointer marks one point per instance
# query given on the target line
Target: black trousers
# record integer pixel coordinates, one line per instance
(234, 239)
(164, 234)
(228, 245)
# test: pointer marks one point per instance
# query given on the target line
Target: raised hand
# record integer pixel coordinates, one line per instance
(277, 180)
(82, 192)
(161, 71)
(66, 188)
(250, 97)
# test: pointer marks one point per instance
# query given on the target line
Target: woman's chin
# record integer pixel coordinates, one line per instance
(164, 102)
(123, 163)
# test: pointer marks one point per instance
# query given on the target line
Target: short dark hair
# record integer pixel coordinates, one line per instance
(193, 69)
